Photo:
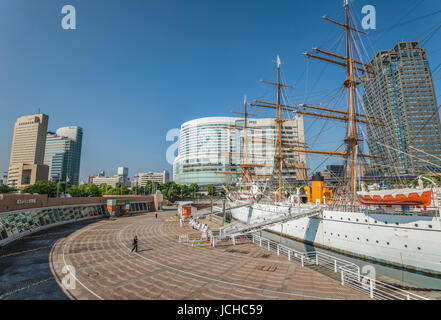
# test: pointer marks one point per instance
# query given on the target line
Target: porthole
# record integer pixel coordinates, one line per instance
(388, 243)
(378, 241)
(358, 238)
(405, 245)
(397, 223)
(430, 226)
(339, 235)
(365, 220)
(349, 219)
(346, 236)
(416, 225)
(385, 222)
(375, 221)
(367, 240)
(341, 218)
(419, 248)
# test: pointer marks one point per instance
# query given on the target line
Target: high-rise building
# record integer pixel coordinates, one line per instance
(29, 139)
(28, 146)
(208, 146)
(58, 156)
(402, 92)
(73, 154)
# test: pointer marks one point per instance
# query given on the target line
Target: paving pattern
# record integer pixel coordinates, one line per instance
(165, 269)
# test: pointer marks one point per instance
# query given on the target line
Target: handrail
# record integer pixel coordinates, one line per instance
(349, 271)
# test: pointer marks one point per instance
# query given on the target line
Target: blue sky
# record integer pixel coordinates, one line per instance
(135, 69)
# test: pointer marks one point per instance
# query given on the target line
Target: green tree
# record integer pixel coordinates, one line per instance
(41, 187)
(185, 191)
(194, 188)
(5, 189)
(211, 189)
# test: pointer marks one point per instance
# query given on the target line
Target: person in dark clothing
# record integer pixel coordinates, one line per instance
(156, 215)
(135, 244)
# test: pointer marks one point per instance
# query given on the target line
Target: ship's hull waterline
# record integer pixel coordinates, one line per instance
(405, 241)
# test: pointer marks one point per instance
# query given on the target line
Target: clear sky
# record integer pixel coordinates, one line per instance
(133, 70)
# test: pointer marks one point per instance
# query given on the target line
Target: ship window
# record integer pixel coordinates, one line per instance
(367, 240)
(430, 226)
(357, 220)
(341, 218)
(419, 248)
(385, 222)
(349, 219)
(339, 235)
(405, 245)
(375, 221)
(377, 241)
(358, 238)
(346, 236)
(365, 220)
(416, 224)
(388, 243)
(397, 223)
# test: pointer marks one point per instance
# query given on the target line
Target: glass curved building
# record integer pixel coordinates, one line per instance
(208, 146)
(205, 147)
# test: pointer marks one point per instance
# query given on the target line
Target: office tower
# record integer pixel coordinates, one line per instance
(402, 93)
(208, 146)
(28, 145)
(58, 156)
(73, 156)
(29, 140)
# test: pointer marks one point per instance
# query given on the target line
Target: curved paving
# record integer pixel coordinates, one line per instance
(164, 269)
(25, 272)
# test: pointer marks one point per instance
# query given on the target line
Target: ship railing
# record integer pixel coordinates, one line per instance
(376, 289)
(350, 274)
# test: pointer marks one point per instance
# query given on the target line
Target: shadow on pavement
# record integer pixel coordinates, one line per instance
(25, 272)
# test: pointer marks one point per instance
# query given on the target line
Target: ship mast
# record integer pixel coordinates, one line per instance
(280, 126)
(351, 138)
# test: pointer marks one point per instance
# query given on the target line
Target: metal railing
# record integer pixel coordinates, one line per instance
(350, 274)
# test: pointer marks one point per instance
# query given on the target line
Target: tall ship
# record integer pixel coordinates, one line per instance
(398, 226)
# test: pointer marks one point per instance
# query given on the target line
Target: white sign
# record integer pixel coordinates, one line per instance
(26, 201)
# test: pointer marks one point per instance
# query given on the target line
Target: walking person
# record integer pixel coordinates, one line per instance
(156, 215)
(135, 244)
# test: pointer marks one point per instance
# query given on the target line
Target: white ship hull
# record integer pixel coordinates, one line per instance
(409, 241)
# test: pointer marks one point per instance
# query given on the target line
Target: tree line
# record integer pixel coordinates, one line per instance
(170, 190)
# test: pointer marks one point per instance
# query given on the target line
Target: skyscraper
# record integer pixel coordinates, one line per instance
(27, 151)
(72, 159)
(58, 156)
(29, 140)
(402, 93)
